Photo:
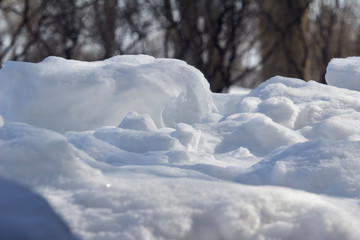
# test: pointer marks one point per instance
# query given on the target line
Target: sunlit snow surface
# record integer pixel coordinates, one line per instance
(135, 147)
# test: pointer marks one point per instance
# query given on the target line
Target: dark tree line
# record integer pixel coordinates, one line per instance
(231, 41)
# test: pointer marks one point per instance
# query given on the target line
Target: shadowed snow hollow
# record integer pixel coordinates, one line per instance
(64, 95)
(26, 215)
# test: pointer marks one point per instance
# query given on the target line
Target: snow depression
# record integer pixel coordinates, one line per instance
(135, 147)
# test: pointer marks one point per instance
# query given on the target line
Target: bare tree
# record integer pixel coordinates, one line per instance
(42, 28)
(209, 34)
(215, 36)
(105, 17)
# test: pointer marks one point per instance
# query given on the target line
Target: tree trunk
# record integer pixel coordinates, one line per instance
(284, 29)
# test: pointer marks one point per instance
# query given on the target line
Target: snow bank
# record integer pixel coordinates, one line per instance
(67, 95)
(171, 166)
(344, 73)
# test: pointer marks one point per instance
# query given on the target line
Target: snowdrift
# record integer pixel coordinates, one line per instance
(68, 95)
(135, 147)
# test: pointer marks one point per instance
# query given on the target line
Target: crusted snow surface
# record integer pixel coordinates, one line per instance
(135, 147)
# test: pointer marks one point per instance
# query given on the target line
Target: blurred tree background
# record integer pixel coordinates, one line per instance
(240, 42)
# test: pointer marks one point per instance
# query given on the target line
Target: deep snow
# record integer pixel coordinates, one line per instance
(135, 147)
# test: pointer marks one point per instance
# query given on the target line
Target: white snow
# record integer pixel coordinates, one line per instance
(87, 95)
(344, 73)
(135, 147)
(239, 90)
(135, 121)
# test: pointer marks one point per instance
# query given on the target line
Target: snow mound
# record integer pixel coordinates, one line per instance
(188, 136)
(320, 166)
(26, 215)
(284, 111)
(256, 132)
(68, 95)
(309, 108)
(135, 121)
(344, 73)
(175, 167)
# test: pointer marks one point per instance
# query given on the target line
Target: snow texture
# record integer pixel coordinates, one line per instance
(135, 147)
